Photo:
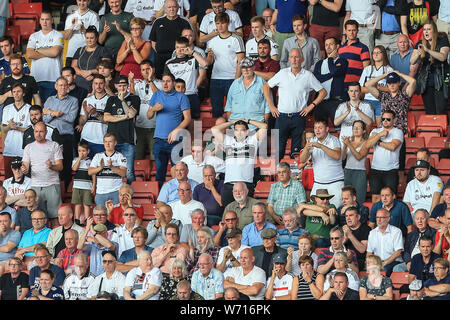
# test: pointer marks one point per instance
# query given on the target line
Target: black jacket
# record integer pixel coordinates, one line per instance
(411, 240)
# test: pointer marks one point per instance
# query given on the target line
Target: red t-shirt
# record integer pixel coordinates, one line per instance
(445, 247)
(116, 215)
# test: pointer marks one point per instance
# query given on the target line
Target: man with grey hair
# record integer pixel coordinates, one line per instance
(207, 281)
(242, 204)
(251, 234)
(76, 284)
(229, 256)
(288, 236)
(285, 193)
(5, 208)
(122, 234)
(205, 245)
(189, 231)
(65, 257)
(294, 87)
(156, 227)
(198, 160)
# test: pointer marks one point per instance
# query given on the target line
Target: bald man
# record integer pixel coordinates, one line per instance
(400, 59)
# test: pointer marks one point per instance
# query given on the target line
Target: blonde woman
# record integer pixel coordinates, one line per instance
(375, 286)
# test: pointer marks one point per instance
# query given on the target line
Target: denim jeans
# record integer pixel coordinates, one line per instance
(46, 89)
(162, 151)
(218, 90)
(95, 148)
(260, 5)
(2, 27)
(128, 150)
(100, 199)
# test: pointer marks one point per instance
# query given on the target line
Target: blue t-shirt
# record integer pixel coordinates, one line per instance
(433, 281)
(388, 21)
(30, 238)
(174, 103)
(401, 64)
(130, 254)
(35, 274)
(11, 236)
(287, 9)
(55, 293)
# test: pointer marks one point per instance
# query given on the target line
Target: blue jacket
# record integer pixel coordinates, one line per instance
(337, 72)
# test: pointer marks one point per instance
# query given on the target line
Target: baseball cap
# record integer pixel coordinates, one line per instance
(111, 252)
(280, 258)
(421, 164)
(416, 285)
(100, 227)
(121, 79)
(268, 233)
(233, 232)
(247, 63)
(16, 162)
(393, 78)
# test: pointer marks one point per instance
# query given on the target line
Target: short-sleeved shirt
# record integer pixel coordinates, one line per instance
(245, 213)
(310, 50)
(304, 290)
(255, 275)
(347, 123)
(145, 92)
(76, 288)
(384, 159)
(107, 180)
(400, 214)
(183, 212)
(82, 180)
(169, 193)
(116, 215)
(140, 281)
(386, 283)
(14, 138)
(315, 225)
(225, 53)
(420, 195)
(355, 54)
(399, 104)
(94, 251)
(326, 169)
(185, 68)
(142, 9)
(174, 103)
(35, 276)
(55, 293)
(418, 14)
(385, 244)
(123, 237)
(208, 24)
(36, 154)
(12, 212)
(402, 64)
(445, 246)
(361, 234)
(371, 72)
(131, 255)
(433, 281)
(240, 158)
(210, 286)
(67, 257)
(293, 90)
(94, 129)
(281, 287)
(114, 38)
(165, 32)
(286, 239)
(47, 68)
(196, 170)
(78, 39)
(251, 47)
(30, 238)
(327, 253)
(423, 271)
(10, 289)
(28, 82)
(12, 236)
(252, 237)
(436, 65)
(361, 11)
(287, 9)
(283, 197)
(17, 188)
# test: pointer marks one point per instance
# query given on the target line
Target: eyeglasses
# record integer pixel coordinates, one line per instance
(108, 261)
(230, 219)
(99, 215)
(387, 119)
(184, 190)
(324, 199)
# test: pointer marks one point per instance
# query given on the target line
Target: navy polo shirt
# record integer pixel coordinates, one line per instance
(130, 254)
(206, 197)
(400, 215)
(439, 210)
(419, 268)
(286, 10)
(433, 281)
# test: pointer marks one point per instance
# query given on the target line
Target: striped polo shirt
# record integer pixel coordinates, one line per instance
(355, 54)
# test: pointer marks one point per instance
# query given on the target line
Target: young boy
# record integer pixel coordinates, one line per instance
(180, 85)
(106, 69)
(83, 184)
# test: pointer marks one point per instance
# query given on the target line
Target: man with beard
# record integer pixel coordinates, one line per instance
(36, 115)
(7, 47)
(77, 283)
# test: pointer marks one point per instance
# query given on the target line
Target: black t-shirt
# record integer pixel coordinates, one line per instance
(362, 233)
(349, 295)
(165, 32)
(436, 65)
(27, 81)
(123, 130)
(10, 288)
(324, 17)
(52, 135)
(417, 15)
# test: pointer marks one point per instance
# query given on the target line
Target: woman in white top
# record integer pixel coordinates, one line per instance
(379, 64)
(355, 151)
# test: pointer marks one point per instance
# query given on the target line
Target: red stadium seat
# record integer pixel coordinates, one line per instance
(416, 103)
(411, 124)
(399, 279)
(262, 189)
(14, 33)
(208, 123)
(142, 168)
(436, 144)
(414, 143)
(25, 9)
(27, 26)
(145, 189)
(149, 213)
(444, 166)
(433, 120)
(267, 166)
(368, 205)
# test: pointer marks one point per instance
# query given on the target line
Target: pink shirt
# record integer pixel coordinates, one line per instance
(163, 260)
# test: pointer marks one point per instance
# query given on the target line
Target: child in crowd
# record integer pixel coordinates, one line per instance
(180, 85)
(83, 184)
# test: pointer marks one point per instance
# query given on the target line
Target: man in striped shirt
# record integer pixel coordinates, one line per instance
(356, 53)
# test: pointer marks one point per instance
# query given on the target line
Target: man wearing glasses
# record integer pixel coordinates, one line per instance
(230, 221)
(386, 142)
(183, 208)
(111, 281)
(42, 260)
(386, 242)
(122, 234)
(116, 212)
(100, 216)
(438, 287)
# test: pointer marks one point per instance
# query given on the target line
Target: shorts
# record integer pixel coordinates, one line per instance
(379, 179)
(82, 196)
(308, 178)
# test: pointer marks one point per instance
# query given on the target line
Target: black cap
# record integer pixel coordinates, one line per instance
(421, 164)
(121, 79)
(16, 162)
(110, 252)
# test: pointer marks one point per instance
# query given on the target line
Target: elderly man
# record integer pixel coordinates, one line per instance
(128, 258)
(442, 240)
(65, 257)
(111, 281)
(43, 259)
(46, 159)
(438, 287)
(242, 204)
(209, 193)
(189, 231)
(279, 284)
(164, 255)
(240, 146)
(251, 234)
(439, 211)
(284, 194)
(156, 228)
(116, 212)
(325, 260)
(412, 242)
(308, 45)
(386, 242)
(264, 253)
(294, 86)
(205, 244)
(184, 292)
(23, 222)
(9, 240)
(5, 208)
(325, 152)
(198, 160)
(95, 249)
(55, 241)
(60, 111)
(229, 256)
(122, 234)
(38, 234)
(182, 209)
(421, 265)
(251, 47)
(340, 290)
(169, 191)
(207, 281)
(244, 99)
(349, 196)
(398, 211)
(230, 221)
(100, 216)
(144, 281)
(77, 284)
(427, 186)
(356, 235)
(400, 60)
(17, 185)
(288, 236)
(248, 278)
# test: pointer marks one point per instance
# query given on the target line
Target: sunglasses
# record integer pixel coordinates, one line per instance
(128, 214)
(387, 119)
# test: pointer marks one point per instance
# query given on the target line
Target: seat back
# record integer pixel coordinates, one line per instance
(414, 143)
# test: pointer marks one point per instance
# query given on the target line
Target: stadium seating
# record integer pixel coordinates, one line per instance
(149, 213)
(436, 144)
(262, 189)
(14, 33)
(145, 190)
(414, 143)
(142, 169)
